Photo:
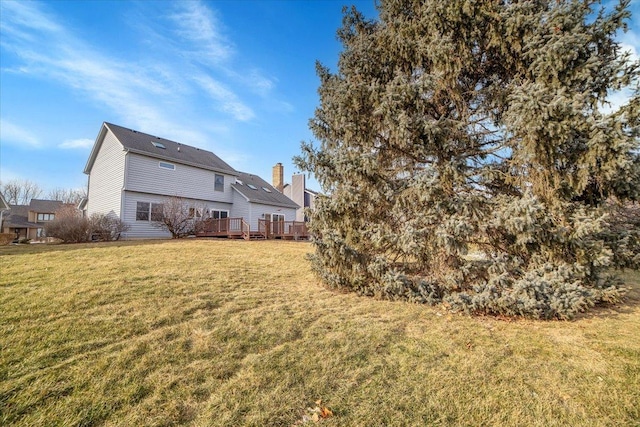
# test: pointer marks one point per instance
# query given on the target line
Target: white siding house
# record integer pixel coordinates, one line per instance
(255, 199)
(132, 173)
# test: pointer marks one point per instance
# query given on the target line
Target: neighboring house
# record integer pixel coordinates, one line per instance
(296, 191)
(28, 221)
(4, 206)
(131, 175)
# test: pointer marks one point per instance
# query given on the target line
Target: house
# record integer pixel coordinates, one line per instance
(4, 206)
(28, 221)
(131, 175)
(255, 199)
(296, 191)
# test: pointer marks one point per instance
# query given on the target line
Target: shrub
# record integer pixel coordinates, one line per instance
(621, 234)
(176, 218)
(69, 226)
(106, 227)
(6, 238)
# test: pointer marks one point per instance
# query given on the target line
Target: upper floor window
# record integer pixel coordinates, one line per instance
(46, 217)
(165, 165)
(158, 144)
(219, 183)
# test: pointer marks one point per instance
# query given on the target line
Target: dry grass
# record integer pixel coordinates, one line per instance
(226, 333)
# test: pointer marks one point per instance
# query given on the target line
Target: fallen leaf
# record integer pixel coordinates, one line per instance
(326, 412)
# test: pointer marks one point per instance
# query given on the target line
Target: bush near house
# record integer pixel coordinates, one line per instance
(6, 238)
(105, 227)
(71, 227)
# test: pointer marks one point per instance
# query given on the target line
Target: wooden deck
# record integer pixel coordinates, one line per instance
(238, 228)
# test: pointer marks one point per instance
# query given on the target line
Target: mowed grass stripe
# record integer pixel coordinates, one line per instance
(216, 332)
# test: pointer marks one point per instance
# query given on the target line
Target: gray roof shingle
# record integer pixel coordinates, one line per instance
(259, 195)
(18, 217)
(141, 143)
(44, 206)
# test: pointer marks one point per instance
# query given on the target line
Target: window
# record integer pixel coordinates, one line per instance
(146, 211)
(278, 223)
(46, 217)
(251, 186)
(158, 144)
(195, 213)
(142, 211)
(266, 189)
(239, 181)
(157, 211)
(215, 214)
(219, 183)
(165, 165)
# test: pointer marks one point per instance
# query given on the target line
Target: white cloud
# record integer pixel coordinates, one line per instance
(16, 135)
(25, 19)
(225, 99)
(260, 84)
(81, 143)
(201, 27)
(142, 93)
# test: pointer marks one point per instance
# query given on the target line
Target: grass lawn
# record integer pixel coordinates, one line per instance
(235, 333)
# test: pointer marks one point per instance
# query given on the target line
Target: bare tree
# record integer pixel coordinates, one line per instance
(176, 217)
(67, 195)
(106, 227)
(20, 191)
(69, 225)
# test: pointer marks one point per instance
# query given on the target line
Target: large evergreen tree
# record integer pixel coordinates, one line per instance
(466, 152)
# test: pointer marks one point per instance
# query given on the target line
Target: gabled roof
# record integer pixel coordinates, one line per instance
(259, 195)
(18, 217)
(44, 206)
(143, 143)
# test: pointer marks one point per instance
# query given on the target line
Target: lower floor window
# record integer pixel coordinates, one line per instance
(197, 212)
(146, 211)
(216, 214)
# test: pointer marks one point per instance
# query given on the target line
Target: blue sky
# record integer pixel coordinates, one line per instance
(234, 77)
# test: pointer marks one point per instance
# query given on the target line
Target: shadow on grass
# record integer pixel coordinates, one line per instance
(37, 248)
(629, 304)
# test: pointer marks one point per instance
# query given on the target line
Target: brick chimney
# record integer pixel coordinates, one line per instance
(278, 177)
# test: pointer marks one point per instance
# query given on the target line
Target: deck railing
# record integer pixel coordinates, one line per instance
(222, 227)
(283, 229)
(238, 227)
